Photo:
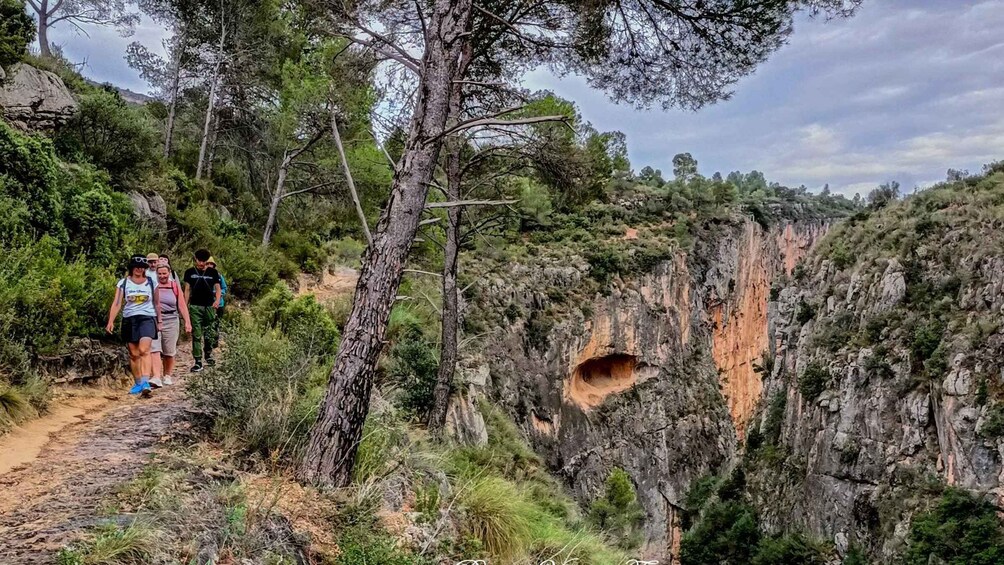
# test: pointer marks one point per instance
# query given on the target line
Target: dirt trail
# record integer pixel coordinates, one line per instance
(330, 285)
(52, 499)
(56, 471)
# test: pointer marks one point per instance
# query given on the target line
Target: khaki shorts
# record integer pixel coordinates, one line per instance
(167, 342)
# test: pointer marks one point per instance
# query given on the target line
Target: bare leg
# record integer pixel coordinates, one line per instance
(168, 365)
(156, 368)
(135, 361)
(144, 352)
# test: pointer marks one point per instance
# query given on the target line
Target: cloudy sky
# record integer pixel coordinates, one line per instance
(903, 91)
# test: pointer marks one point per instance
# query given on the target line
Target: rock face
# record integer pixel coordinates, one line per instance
(151, 209)
(85, 359)
(906, 345)
(35, 100)
(655, 376)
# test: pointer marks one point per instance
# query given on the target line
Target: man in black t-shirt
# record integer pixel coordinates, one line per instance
(202, 293)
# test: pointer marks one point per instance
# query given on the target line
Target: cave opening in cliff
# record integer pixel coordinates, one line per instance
(595, 379)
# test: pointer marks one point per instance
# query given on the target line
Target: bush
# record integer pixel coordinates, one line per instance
(413, 367)
(301, 319)
(814, 380)
(29, 174)
(993, 425)
(111, 134)
(617, 512)
(727, 533)
(791, 549)
(959, 530)
(263, 394)
(804, 312)
(17, 30)
(44, 299)
(361, 546)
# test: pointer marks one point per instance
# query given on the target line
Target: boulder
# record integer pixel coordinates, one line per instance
(35, 100)
(151, 209)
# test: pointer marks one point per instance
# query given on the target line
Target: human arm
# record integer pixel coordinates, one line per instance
(183, 308)
(113, 310)
(156, 308)
(219, 293)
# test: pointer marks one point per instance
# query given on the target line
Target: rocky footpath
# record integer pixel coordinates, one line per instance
(654, 375)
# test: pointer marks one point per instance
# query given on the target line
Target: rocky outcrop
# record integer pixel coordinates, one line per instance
(35, 100)
(85, 359)
(886, 381)
(150, 209)
(654, 375)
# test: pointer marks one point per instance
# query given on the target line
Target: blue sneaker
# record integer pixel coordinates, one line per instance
(140, 387)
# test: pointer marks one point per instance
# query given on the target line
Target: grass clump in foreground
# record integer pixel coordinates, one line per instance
(112, 544)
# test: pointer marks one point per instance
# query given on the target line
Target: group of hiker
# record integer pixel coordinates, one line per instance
(156, 305)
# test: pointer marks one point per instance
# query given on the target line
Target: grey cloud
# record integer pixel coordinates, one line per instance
(904, 90)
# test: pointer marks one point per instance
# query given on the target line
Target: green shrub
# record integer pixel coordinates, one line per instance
(727, 533)
(29, 173)
(791, 549)
(365, 546)
(17, 30)
(925, 339)
(804, 312)
(263, 394)
(109, 133)
(993, 425)
(412, 368)
(301, 319)
(617, 512)
(959, 530)
(538, 329)
(855, 556)
(841, 255)
(814, 380)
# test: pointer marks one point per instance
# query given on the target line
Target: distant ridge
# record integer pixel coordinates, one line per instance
(127, 95)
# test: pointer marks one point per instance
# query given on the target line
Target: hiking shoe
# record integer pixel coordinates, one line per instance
(197, 367)
(142, 387)
(168, 381)
(210, 361)
(156, 382)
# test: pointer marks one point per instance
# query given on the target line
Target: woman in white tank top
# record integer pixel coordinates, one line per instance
(136, 297)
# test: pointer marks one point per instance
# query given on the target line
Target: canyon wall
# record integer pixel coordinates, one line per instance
(654, 375)
(885, 367)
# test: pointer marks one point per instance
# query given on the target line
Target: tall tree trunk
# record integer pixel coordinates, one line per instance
(277, 196)
(451, 309)
(348, 175)
(43, 30)
(211, 157)
(179, 50)
(335, 436)
(210, 107)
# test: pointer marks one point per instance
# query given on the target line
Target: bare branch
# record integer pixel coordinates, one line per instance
(302, 190)
(420, 272)
(406, 61)
(478, 122)
(433, 205)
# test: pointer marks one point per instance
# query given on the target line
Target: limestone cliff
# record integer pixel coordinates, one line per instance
(886, 372)
(654, 374)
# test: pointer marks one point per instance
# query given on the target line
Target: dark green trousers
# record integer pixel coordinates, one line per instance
(204, 330)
